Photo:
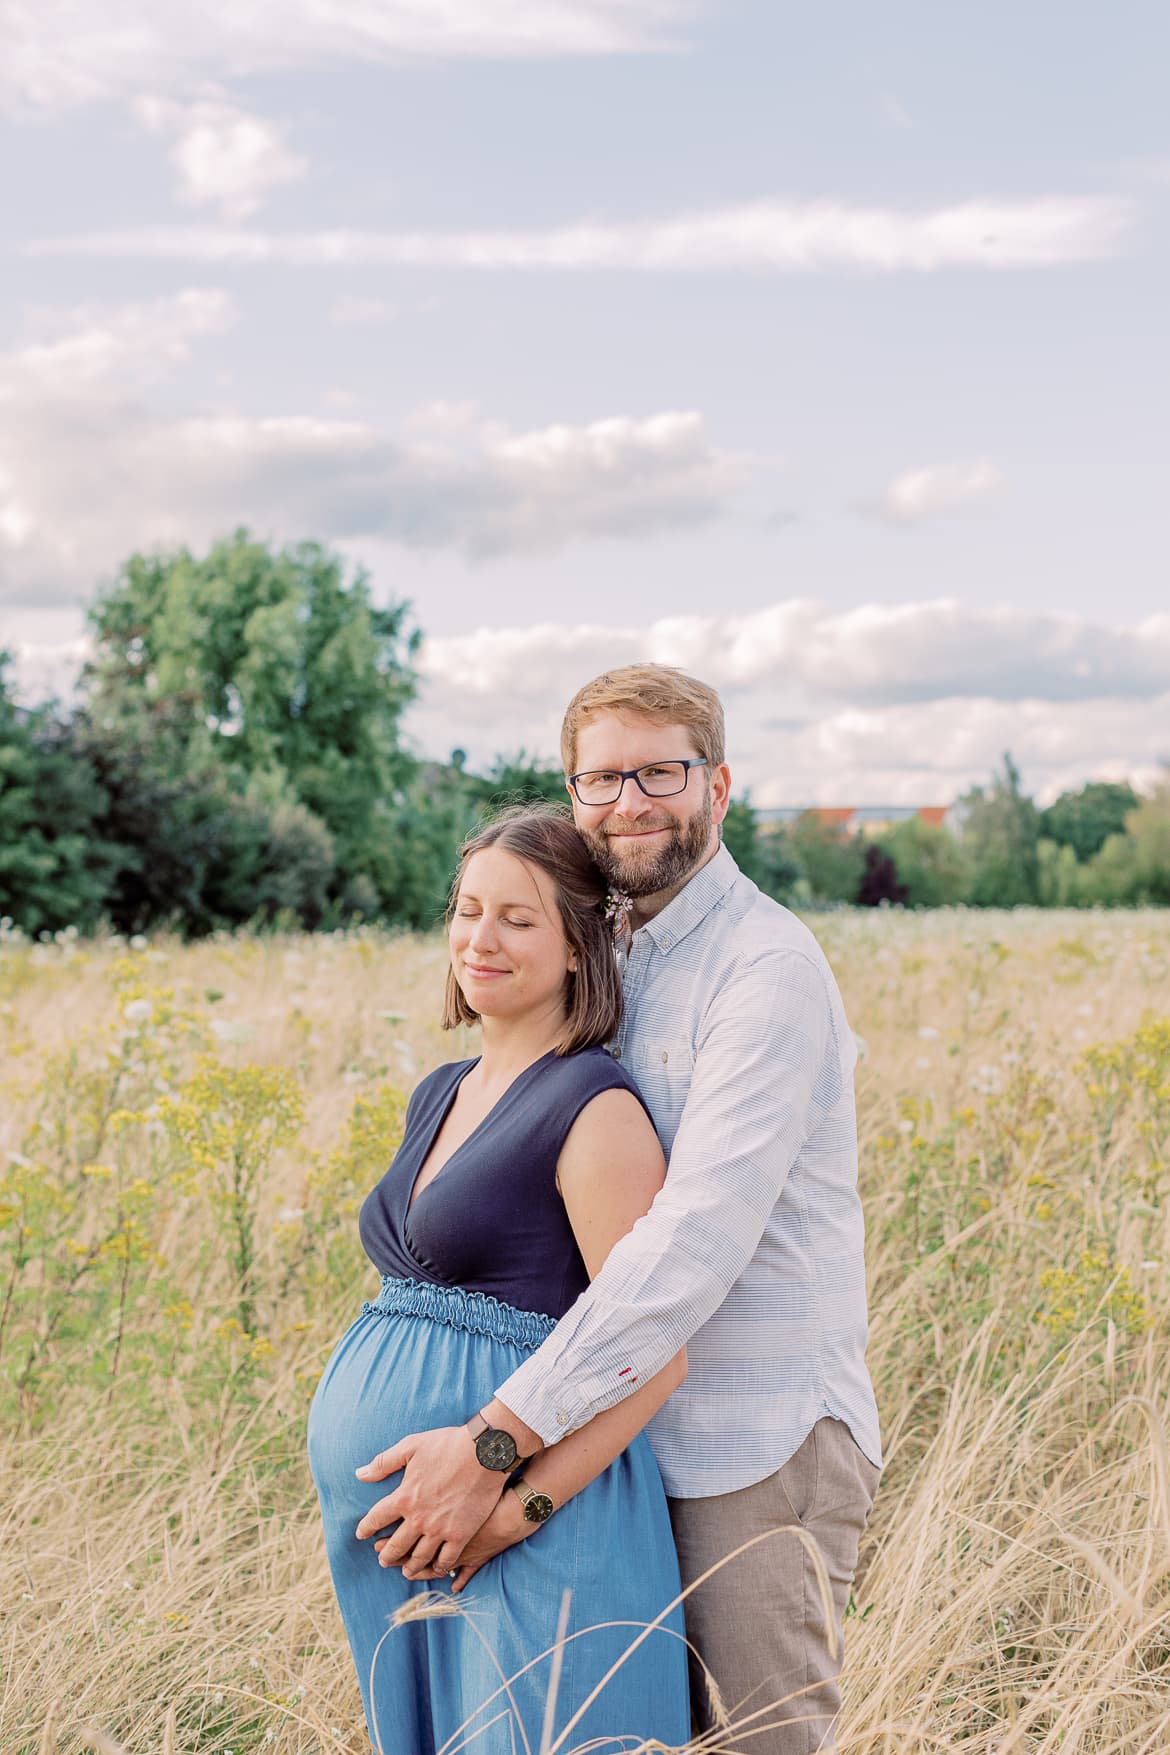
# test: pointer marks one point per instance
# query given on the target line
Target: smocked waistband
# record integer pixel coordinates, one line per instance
(475, 1312)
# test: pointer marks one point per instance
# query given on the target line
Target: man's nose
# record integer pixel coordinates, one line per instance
(631, 801)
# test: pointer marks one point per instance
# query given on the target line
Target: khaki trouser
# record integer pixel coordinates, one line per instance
(758, 1624)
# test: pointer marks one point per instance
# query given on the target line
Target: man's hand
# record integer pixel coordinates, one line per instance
(445, 1495)
(505, 1526)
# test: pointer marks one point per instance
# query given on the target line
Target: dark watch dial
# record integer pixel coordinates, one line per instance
(537, 1508)
(496, 1450)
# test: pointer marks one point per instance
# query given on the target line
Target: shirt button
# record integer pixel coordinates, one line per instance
(665, 1057)
(616, 1052)
(562, 1417)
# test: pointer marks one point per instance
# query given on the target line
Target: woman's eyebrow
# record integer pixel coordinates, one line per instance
(532, 907)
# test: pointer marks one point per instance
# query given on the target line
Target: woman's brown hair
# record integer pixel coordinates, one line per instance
(543, 836)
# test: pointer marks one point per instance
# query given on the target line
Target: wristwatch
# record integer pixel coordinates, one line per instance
(538, 1507)
(494, 1448)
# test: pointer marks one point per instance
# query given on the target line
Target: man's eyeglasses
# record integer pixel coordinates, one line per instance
(656, 779)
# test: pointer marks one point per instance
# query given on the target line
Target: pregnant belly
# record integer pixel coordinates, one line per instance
(389, 1376)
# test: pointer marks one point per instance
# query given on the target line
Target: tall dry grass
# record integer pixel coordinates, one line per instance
(164, 1583)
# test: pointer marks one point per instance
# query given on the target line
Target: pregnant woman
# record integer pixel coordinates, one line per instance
(517, 1173)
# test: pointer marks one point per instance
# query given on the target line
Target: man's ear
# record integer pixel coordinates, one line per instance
(720, 792)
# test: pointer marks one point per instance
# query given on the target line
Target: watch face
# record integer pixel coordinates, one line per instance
(538, 1507)
(496, 1450)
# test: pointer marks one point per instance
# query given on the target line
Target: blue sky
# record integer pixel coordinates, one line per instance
(822, 351)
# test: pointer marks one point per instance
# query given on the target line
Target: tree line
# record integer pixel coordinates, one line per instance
(1101, 845)
(234, 756)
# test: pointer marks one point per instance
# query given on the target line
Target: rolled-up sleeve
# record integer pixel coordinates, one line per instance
(767, 1068)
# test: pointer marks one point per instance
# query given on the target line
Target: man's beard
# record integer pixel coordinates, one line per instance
(666, 867)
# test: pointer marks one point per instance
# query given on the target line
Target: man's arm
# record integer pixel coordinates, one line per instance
(768, 1067)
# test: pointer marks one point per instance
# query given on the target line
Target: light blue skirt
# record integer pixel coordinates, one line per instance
(479, 1672)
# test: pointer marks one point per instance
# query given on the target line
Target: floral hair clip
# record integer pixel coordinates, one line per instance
(617, 907)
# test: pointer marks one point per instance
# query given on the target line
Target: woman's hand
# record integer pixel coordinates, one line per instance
(503, 1528)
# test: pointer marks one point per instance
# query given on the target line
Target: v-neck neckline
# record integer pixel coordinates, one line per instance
(445, 1110)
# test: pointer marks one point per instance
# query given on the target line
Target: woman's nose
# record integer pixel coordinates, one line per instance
(483, 934)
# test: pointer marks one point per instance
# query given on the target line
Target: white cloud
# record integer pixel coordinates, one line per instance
(767, 237)
(921, 493)
(62, 53)
(223, 156)
(933, 751)
(351, 308)
(798, 656)
(89, 471)
(91, 344)
(872, 706)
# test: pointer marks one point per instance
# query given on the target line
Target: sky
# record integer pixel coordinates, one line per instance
(821, 351)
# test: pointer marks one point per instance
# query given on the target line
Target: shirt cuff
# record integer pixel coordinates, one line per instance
(529, 1395)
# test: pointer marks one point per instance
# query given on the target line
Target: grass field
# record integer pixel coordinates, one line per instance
(186, 1134)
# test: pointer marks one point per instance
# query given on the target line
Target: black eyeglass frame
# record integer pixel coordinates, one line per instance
(621, 775)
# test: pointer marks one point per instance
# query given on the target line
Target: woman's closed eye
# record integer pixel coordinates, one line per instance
(473, 914)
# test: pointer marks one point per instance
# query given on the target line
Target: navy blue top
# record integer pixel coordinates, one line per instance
(491, 1220)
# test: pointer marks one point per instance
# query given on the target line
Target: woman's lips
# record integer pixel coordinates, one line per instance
(481, 974)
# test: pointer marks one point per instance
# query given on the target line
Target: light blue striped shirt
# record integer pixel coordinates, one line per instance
(751, 1254)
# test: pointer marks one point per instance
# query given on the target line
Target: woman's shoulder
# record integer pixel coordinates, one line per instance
(588, 1072)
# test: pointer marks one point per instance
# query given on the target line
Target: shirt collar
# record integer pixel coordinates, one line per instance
(694, 902)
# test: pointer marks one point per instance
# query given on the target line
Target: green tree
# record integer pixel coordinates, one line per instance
(832, 860)
(932, 863)
(521, 779)
(1001, 828)
(271, 679)
(56, 864)
(1134, 867)
(416, 858)
(741, 836)
(1148, 827)
(1062, 881)
(780, 873)
(1084, 820)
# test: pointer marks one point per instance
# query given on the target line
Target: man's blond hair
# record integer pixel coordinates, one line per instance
(652, 691)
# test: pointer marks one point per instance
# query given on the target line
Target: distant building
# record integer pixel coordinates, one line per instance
(859, 819)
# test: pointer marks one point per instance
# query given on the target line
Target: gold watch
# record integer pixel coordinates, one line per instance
(538, 1507)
